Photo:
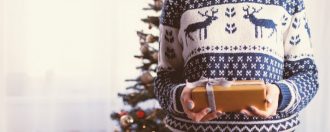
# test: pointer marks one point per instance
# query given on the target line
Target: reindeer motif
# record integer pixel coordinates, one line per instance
(261, 23)
(201, 25)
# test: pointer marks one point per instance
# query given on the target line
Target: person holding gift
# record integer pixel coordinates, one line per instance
(235, 40)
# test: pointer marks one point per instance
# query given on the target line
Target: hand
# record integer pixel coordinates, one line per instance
(272, 96)
(188, 105)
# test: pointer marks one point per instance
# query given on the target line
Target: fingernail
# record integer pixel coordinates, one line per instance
(251, 108)
(269, 101)
(190, 105)
(219, 113)
(243, 113)
(208, 110)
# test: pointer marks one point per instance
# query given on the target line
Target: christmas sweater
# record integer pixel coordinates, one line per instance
(237, 40)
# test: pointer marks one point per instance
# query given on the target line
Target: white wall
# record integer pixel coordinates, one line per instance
(62, 63)
(316, 117)
(2, 113)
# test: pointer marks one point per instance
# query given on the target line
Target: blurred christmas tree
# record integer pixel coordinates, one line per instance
(138, 119)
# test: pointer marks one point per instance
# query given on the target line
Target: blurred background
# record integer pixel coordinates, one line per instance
(62, 63)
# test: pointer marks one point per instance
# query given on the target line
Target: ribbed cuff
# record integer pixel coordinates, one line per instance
(285, 96)
(176, 99)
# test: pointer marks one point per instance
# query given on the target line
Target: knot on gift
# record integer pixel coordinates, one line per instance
(209, 83)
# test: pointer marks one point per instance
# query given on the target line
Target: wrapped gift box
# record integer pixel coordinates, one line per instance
(240, 95)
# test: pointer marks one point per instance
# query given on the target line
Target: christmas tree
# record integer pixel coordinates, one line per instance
(138, 119)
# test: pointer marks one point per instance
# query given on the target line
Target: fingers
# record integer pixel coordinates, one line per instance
(188, 111)
(246, 112)
(272, 98)
(188, 105)
(186, 101)
(203, 113)
(260, 113)
(212, 116)
(199, 116)
(271, 105)
(186, 95)
(256, 112)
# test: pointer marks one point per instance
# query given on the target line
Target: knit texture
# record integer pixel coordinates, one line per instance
(238, 40)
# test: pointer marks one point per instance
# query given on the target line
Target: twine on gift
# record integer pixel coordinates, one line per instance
(210, 96)
(208, 84)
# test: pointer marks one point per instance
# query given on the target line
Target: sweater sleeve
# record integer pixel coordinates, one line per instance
(300, 80)
(169, 81)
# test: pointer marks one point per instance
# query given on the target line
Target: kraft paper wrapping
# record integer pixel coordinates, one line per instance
(231, 98)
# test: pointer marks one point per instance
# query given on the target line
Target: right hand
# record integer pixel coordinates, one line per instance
(188, 105)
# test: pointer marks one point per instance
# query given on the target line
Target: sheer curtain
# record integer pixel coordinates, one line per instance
(62, 63)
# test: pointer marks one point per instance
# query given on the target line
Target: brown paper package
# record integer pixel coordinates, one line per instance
(241, 94)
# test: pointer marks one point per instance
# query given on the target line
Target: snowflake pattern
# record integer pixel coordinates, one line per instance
(294, 70)
(239, 66)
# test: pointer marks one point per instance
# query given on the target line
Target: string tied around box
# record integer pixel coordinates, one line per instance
(208, 83)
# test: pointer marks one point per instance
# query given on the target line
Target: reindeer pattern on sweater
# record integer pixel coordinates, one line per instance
(238, 40)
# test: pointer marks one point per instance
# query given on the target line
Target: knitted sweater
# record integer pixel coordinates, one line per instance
(238, 40)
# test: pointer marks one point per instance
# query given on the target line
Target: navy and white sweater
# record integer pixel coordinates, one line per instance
(236, 40)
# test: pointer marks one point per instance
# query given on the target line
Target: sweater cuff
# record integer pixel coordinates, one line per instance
(177, 106)
(285, 96)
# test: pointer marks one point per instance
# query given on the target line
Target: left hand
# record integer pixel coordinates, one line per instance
(272, 97)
